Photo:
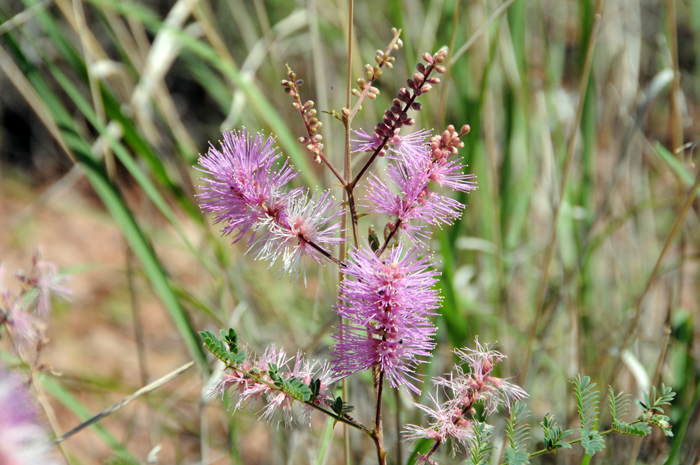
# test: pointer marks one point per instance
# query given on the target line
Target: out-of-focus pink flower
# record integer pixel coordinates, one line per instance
(48, 282)
(23, 441)
(387, 302)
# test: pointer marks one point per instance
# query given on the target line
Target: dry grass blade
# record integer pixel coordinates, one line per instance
(144, 390)
(583, 85)
(23, 17)
(23, 86)
(468, 44)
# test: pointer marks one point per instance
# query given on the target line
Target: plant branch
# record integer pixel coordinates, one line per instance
(322, 251)
(391, 235)
(378, 433)
(376, 74)
(308, 115)
(346, 419)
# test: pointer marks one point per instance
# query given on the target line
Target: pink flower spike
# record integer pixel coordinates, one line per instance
(241, 184)
(387, 302)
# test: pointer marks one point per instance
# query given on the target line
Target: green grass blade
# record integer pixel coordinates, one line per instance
(111, 198)
(325, 441)
(260, 105)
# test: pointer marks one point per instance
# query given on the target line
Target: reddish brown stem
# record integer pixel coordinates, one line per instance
(323, 252)
(393, 232)
(378, 434)
(365, 91)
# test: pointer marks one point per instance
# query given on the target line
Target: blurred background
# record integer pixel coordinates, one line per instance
(105, 106)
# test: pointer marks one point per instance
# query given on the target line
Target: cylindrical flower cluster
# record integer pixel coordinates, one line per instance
(246, 189)
(387, 302)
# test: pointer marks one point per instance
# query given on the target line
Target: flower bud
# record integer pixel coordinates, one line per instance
(428, 58)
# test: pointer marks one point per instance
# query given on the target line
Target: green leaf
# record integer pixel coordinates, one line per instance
(215, 346)
(340, 407)
(591, 441)
(480, 449)
(619, 407)
(554, 435)
(518, 433)
(586, 402)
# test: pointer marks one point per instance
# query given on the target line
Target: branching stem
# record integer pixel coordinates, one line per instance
(346, 419)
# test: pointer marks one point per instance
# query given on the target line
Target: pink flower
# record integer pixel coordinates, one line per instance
(308, 226)
(23, 439)
(246, 191)
(416, 204)
(387, 302)
(279, 406)
(242, 187)
(464, 388)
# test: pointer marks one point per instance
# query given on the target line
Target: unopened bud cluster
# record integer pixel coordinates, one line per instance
(308, 114)
(421, 83)
(372, 73)
(448, 143)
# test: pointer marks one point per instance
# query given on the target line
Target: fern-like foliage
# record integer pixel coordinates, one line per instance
(653, 402)
(341, 408)
(518, 432)
(587, 405)
(586, 401)
(619, 407)
(554, 435)
(480, 449)
(226, 350)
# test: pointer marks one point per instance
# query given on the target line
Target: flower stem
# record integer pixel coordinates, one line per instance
(391, 235)
(346, 419)
(378, 434)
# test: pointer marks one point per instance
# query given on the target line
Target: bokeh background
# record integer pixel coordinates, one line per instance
(106, 104)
